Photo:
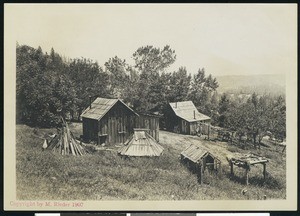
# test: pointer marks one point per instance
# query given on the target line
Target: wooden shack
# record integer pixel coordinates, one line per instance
(183, 117)
(108, 121)
(198, 160)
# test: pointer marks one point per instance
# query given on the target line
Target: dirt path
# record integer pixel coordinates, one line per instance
(181, 142)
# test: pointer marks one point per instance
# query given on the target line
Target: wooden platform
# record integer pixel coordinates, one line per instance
(246, 161)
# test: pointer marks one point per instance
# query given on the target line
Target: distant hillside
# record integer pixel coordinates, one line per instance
(247, 84)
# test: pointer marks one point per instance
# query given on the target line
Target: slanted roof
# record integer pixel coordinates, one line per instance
(196, 153)
(100, 107)
(186, 109)
(141, 144)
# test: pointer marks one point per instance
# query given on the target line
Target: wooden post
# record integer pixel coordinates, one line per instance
(208, 131)
(199, 175)
(283, 149)
(220, 169)
(247, 176)
(231, 168)
(264, 172)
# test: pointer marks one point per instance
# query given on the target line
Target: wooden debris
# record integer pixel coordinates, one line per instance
(65, 143)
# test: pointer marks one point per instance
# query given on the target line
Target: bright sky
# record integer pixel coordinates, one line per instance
(225, 39)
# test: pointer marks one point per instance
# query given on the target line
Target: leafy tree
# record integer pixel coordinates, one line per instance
(277, 118)
(40, 100)
(150, 59)
(257, 123)
(201, 90)
(90, 79)
(151, 62)
(211, 83)
(64, 96)
(179, 85)
(48, 87)
(224, 105)
(117, 69)
(237, 119)
(256, 117)
(131, 94)
(212, 107)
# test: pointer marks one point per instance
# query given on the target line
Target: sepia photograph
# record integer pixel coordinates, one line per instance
(150, 106)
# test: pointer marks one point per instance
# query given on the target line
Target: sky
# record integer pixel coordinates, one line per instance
(225, 39)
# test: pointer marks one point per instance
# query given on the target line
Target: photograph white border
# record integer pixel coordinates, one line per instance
(290, 203)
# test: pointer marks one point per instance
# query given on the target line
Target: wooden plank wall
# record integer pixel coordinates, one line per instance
(184, 127)
(117, 124)
(90, 128)
(172, 122)
(149, 122)
(193, 128)
(203, 127)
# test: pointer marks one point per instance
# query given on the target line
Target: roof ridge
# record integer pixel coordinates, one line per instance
(104, 105)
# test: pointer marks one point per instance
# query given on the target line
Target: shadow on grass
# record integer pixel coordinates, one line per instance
(236, 178)
(270, 182)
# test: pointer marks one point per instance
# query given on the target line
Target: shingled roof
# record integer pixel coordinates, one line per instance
(187, 111)
(100, 107)
(141, 144)
(196, 153)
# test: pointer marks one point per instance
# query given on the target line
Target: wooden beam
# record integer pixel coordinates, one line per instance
(259, 161)
(283, 149)
(247, 176)
(199, 175)
(264, 171)
(231, 168)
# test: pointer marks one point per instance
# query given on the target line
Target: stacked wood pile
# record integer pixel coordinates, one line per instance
(65, 143)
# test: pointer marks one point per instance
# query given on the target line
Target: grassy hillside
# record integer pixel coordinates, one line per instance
(104, 175)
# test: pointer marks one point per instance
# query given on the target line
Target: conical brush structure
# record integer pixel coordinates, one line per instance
(65, 143)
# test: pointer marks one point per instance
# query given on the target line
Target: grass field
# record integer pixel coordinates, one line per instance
(103, 175)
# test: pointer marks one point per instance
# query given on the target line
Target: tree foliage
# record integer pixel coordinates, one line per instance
(258, 116)
(48, 86)
(150, 59)
(90, 80)
(202, 89)
(119, 74)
